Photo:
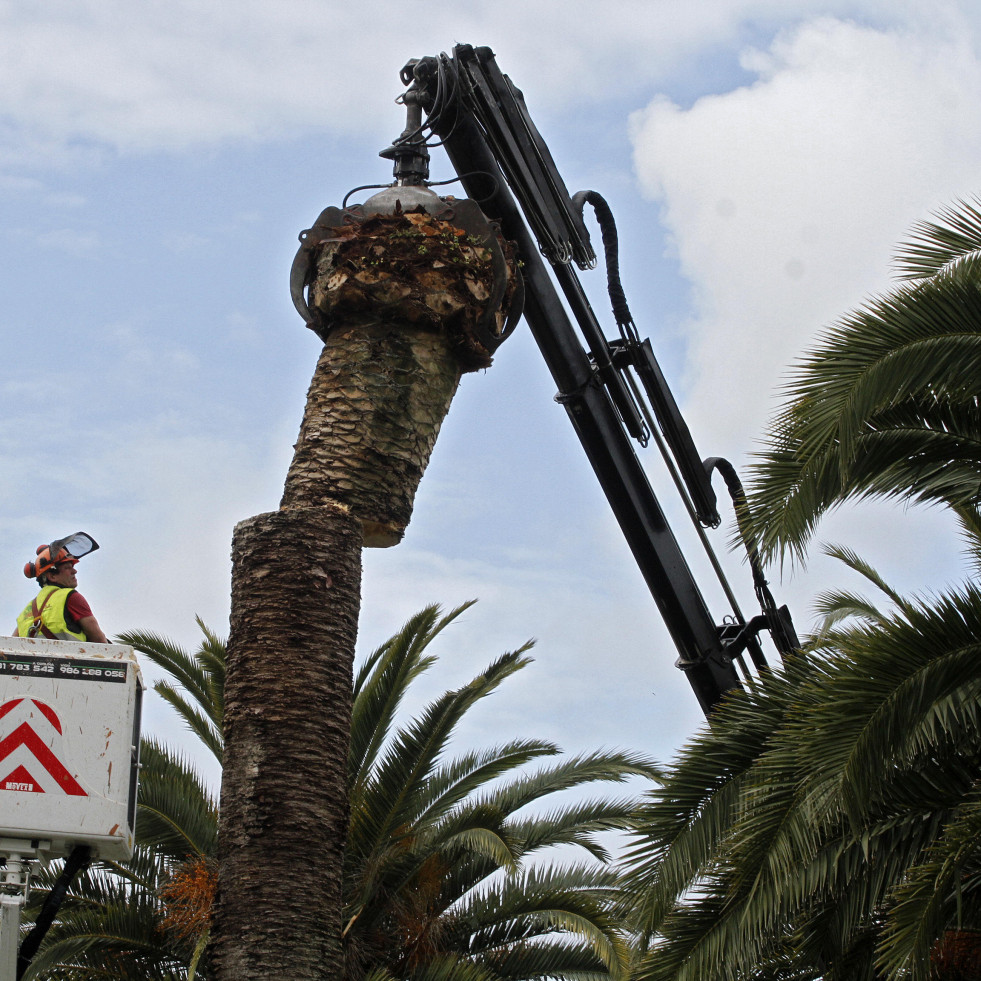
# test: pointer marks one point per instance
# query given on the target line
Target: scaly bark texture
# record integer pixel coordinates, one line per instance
(296, 592)
(402, 297)
(402, 300)
(373, 413)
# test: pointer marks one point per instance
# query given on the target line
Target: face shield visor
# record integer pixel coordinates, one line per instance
(75, 545)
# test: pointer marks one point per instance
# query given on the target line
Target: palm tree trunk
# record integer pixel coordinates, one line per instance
(386, 381)
(401, 297)
(296, 592)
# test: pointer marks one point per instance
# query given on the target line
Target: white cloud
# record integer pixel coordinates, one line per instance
(165, 74)
(786, 198)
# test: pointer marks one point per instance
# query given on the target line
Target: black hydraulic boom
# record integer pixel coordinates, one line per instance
(613, 391)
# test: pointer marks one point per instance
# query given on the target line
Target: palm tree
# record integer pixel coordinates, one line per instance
(446, 874)
(454, 840)
(821, 825)
(824, 824)
(887, 404)
(399, 301)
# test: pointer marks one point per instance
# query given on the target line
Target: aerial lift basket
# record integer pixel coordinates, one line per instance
(69, 745)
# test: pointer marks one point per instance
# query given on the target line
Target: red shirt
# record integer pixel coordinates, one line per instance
(77, 607)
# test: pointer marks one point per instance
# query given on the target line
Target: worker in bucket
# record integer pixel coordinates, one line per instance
(59, 611)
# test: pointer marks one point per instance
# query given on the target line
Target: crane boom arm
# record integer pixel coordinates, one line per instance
(488, 125)
(480, 118)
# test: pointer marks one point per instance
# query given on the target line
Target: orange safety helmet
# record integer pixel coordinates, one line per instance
(69, 549)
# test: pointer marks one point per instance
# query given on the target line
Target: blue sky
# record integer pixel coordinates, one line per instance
(157, 161)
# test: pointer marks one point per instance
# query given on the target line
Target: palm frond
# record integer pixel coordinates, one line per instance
(577, 900)
(856, 563)
(195, 720)
(435, 852)
(383, 679)
(951, 245)
(576, 824)
(442, 967)
(176, 816)
(201, 676)
(391, 797)
(943, 890)
(885, 406)
(121, 940)
(460, 778)
(873, 751)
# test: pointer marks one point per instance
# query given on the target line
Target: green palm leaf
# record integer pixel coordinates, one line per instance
(435, 864)
(825, 823)
(942, 891)
(177, 816)
(383, 679)
(790, 864)
(886, 406)
(201, 676)
(951, 245)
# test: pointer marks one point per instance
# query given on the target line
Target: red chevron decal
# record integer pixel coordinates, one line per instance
(25, 736)
(7, 706)
(20, 779)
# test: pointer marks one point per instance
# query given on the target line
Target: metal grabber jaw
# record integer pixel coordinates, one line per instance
(409, 193)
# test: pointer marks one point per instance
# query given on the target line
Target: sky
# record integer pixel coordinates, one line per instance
(157, 161)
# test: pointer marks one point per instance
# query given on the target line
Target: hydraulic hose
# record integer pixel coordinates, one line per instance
(77, 861)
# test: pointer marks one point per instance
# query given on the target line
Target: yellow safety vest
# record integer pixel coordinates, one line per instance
(44, 616)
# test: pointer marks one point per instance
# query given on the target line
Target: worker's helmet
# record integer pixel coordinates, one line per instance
(69, 549)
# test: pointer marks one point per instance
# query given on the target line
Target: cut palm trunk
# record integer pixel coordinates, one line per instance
(401, 301)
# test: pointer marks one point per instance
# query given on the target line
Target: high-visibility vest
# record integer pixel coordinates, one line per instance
(44, 616)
